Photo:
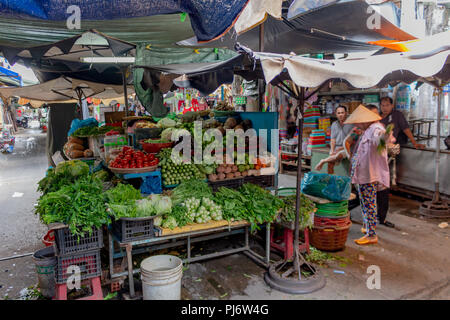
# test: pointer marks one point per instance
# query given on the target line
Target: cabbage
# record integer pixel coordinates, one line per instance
(164, 205)
(177, 133)
(166, 135)
(154, 199)
(170, 223)
(166, 123)
(157, 221)
(73, 167)
(144, 208)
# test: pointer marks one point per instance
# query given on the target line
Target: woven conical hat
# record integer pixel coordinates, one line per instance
(362, 115)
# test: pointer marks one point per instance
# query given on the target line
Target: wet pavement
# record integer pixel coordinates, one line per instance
(413, 258)
(20, 230)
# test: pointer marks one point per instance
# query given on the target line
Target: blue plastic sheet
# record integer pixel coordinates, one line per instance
(77, 124)
(209, 18)
(327, 186)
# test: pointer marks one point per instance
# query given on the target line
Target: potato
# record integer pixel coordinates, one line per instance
(75, 146)
(221, 176)
(234, 168)
(212, 177)
(88, 153)
(220, 169)
(76, 154)
(237, 174)
(228, 170)
(75, 140)
(244, 173)
(230, 123)
(230, 175)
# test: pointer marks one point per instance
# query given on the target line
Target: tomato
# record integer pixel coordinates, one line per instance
(151, 157)
(139, 165)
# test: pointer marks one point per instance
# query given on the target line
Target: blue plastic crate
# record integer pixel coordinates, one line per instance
(152, 184)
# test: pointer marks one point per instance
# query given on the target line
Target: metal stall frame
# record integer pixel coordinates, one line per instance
(169, 241)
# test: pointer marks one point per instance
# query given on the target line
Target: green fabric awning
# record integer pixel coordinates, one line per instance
(160, 30)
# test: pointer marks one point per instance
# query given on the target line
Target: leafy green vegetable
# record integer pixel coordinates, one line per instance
(122, 200)
(144, 208)
(170, 223)
(102, 175)
(251, 203)
(306, 208)
(164, 205)
(95, 131)
(191, 188)
(77, 204)
(65, 173)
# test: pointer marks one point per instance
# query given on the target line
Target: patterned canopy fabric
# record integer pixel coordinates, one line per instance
(209, 18)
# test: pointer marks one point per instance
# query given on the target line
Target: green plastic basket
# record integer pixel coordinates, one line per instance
(285, 192)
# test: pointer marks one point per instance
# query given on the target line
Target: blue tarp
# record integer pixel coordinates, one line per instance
(209, 18)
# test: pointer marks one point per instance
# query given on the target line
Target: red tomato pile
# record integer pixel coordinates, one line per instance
(128, 158)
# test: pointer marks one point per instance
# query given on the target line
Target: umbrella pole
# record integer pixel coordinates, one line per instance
(299, 178)
(438, 147)
(260, 81)
(437, 208)
(124, 82)
(80, 99)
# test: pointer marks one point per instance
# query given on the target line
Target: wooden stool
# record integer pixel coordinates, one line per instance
(287, 244)
(96, 288)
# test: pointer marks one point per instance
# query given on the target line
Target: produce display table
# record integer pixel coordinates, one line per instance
(185, 236)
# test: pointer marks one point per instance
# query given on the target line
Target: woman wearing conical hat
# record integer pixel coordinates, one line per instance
(370, 170)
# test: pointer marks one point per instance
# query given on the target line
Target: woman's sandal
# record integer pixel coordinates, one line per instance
(366, 240)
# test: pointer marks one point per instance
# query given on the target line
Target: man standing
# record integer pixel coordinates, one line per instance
(401, 134)
(339, 130)
(401, 127)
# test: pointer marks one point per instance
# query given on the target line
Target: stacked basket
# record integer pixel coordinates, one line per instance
(82, 252)
(331, 226)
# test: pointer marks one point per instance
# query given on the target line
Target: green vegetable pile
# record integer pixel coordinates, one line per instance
(77, 204)
(65, 173)
(193, 188)
(121, 200)
(251, 203)
(306, 208)
(193, 202)
(94, 131)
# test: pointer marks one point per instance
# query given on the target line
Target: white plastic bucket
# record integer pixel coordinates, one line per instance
(161, 277)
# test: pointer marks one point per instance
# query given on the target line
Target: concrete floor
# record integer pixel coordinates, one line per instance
(413, 258)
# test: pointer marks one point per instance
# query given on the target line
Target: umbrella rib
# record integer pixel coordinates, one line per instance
(65, 95)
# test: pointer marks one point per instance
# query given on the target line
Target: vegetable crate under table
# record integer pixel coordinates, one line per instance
(67, 243)
(181, 236)
(133, 229)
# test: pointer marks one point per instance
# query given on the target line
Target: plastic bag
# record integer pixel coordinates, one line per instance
(327, 186)
(77, 124)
